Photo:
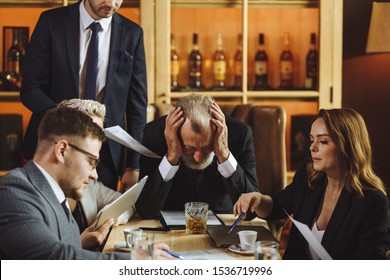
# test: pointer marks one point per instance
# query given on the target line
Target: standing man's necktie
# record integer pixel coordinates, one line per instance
(92, 62)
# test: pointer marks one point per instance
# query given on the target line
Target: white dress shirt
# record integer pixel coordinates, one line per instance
(319, 234)
(168, 170)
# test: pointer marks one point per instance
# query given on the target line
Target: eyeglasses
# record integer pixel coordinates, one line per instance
(93, 160)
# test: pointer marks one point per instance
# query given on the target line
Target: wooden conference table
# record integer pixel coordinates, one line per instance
(179, 240)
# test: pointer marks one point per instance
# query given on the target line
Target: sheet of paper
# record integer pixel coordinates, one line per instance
(119, 135)
(177, 218)
(313, 242)
(205, 255)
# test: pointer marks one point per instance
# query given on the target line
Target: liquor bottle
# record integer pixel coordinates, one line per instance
(238, 65)
(13, 56)
(286, 65)
(175, 67)
(311, 81)
(219, 65)
(261, 66)
(22, 51)
(195, 65)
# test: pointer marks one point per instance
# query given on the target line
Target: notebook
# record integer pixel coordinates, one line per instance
(221, 237)
(121, 204)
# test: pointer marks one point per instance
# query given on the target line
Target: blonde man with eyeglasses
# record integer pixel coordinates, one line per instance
(96, 195)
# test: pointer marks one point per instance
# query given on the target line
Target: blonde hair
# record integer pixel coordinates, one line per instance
(348, 131)
(197, 109)
(90, 107)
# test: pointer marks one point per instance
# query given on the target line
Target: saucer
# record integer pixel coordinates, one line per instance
(122, 246)
(237, 249)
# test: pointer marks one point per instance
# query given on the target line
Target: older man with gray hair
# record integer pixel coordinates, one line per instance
(206, 157)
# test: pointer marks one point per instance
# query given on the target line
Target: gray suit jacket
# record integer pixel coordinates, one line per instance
(95, 197)
(33, 224)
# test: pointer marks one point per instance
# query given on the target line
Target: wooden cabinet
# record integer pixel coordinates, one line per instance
(248, 17)
(299, 18)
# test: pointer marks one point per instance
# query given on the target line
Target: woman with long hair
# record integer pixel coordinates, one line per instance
(337, 194)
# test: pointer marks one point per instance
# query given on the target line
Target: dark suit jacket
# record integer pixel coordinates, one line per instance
(220, 193)
(359, 228)
(33, 224)
(52, 74)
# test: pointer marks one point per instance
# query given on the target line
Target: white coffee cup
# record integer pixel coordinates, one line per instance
(131, 234)
(247, 239)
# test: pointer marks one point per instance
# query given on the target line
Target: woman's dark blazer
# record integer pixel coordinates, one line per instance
(359, 227)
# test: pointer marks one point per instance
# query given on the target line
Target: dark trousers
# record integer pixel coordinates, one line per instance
(106, 170)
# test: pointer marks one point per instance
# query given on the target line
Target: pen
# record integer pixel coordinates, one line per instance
(173, 254)
(236, 222)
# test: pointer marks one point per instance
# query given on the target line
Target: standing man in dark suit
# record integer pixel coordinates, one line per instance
(55, 70)
(34, 215)
(201, 160)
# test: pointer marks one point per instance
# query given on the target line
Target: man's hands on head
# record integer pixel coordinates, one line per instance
(173, 122)
(94, 239)
(220, 145)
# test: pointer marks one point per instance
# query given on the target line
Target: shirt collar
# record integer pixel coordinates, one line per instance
(86, 19)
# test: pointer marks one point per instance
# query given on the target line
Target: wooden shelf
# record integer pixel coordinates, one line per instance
(251, 3)
(3, 173)
(9, 96)
(54, 3)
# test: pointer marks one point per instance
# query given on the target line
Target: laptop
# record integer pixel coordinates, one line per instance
(221, 237)
(121, 204)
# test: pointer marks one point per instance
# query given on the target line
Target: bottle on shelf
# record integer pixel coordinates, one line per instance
(175, 67)
(14, 55)
(219, 65)
(12, 74)
(286, 65)
(261, 66)
(195, 65)
(22, 50)
(238, 65)
(311, 81)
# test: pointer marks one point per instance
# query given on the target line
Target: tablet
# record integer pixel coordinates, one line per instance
(121, 204)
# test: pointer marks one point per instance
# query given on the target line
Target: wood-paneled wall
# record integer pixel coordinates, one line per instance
(366, 81)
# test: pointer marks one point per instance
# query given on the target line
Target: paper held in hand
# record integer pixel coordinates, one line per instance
(311, 239)
(119, 135)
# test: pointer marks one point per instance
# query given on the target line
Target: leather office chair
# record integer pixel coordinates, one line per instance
(268, 125)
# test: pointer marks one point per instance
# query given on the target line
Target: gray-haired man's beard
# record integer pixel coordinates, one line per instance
(190, 162)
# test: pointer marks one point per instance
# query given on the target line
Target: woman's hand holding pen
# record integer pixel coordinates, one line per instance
(247, 201)
(254, 202)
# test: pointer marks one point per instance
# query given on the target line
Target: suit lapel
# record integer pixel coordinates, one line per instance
(40, 183)
(72, 33)
(337, 218)
(117, 35)
(312, 202)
